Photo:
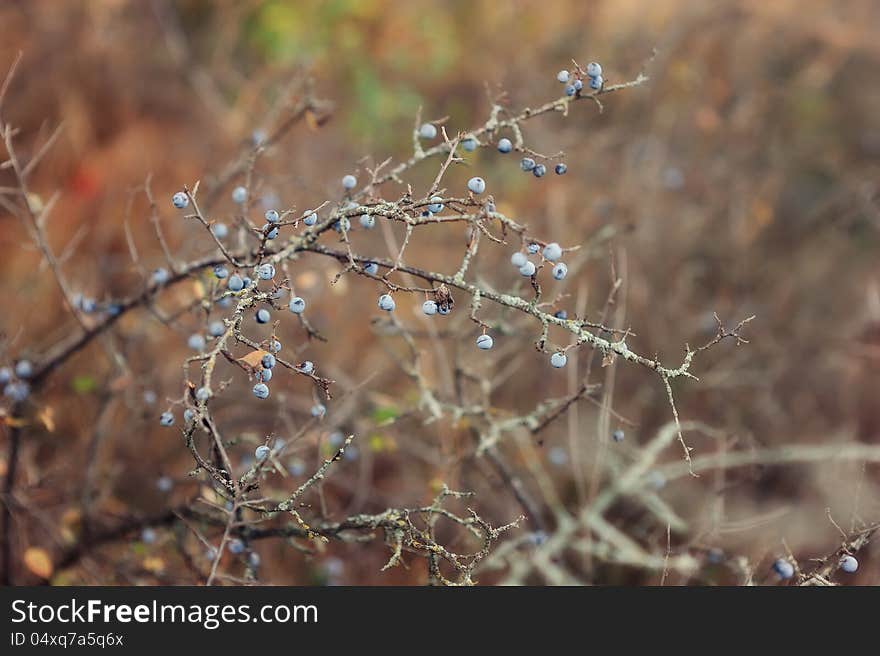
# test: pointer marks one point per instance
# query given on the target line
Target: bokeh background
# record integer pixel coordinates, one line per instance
(741, 179)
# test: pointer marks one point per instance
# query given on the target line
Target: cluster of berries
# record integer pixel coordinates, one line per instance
(14, 380)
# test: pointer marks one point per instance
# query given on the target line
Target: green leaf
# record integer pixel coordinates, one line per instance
(83, 384)
(383, 415)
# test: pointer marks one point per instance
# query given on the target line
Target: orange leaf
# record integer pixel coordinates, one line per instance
(47, 416)
(154, 564)
(312, 120)
(37, 560)
(120, 383)
(253, 358)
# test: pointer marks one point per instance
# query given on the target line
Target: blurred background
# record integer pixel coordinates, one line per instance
(741, 179)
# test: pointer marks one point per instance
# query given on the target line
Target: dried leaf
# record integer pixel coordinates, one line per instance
(198, 288)
(37, 560)
(47, 418)
(120, 383)
(71, 517)
(253, 358)
(14, 422)
(154, 564)
(312, 120)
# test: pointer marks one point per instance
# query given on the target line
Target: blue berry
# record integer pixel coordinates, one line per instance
(527, 164)
(428, 131)
(149, 397)
(558, 456)
(335, 439)
(552, 251)
(318, 410)
(261, 391)
(386, 303)
(17, 390)
(429, 307)
(264, 375)
(220, 230)
(349, 182)
(5, 375)
(160, 276)
(578, 85)
(297, 305)
(596, 83)
(537, 538)
(263, 316)
(239, 195)
(484, 342)
(469, 144)
(618, 435)
(236, 546)
(258, 137)
(561, 168)
(783, 568)
(254, 559)
(368, 221)
(594, 69)
(560, 271)
(216, 328)
(570, 90)
(148, 535)
(558, 360)
(533, 248)
(518, 259)
(164, 484)
(297, 468)
(436, 205)
(221, 272)
(849, 564)
(188, 415)
(504, 145)
(262, 452)
(180, 200)
(477, 185)
(250, 283)
(342, 225)
(167, 419)
(372, 268)
(268, 361)
(272, 216)
(88, 305)
(271, 233)
(235, 283)
(203, 394)
(562, 77)
(196, 342)
(528, 269)
(443, 309)
(310, 219)
(275, 347)
(656, 479)
(266, 271)
(539, 171)
(306, 367)
(561, 314)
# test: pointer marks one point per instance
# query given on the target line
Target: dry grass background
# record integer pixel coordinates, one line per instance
(742, 179)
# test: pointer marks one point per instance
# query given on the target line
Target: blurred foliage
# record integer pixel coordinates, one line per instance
(743, 180)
